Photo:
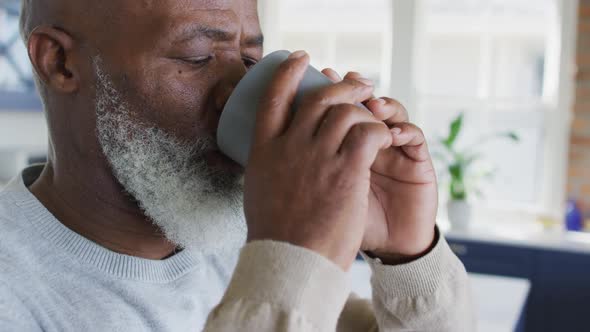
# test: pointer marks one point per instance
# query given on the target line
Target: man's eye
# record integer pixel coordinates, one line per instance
(249, 62)
(199, 61)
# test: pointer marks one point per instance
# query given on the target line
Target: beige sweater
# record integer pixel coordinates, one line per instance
(280, 287)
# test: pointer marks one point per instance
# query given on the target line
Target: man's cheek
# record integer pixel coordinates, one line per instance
(185, 109)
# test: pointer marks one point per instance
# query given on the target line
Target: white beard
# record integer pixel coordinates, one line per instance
(195, 205)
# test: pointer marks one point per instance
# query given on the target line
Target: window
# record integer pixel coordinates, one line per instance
(17, 88)
(499, 62)
(343, 36)
(506, 63)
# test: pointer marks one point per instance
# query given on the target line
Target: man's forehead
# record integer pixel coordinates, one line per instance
(175, 16)
(164, 6)
(183, 19)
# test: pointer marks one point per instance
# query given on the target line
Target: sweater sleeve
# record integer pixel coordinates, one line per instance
(429, 294)
(280, 287)
(283, 288)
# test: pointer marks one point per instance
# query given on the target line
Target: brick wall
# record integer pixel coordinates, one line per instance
(579, 169)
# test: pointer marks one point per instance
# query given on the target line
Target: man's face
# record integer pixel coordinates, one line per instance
(158, 101)
(176, 62)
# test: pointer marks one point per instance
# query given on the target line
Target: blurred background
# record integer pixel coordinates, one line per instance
(507, 64)
(501, 89)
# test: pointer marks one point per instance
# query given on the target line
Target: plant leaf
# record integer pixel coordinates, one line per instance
(457, 189)
(444, 143)
(456, 171)
(513, 136)
(456, 126)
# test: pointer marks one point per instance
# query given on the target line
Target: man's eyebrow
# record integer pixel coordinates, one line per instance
(257, 41)
(195, 31)
(217, 34)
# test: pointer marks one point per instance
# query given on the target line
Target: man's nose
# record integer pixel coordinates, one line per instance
(232, 74)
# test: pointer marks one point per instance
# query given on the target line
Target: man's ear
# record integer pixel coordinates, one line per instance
(50, 51)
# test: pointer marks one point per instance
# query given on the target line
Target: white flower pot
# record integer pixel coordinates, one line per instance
(459, 213)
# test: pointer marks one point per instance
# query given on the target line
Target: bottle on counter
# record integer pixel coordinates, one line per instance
(573, 219)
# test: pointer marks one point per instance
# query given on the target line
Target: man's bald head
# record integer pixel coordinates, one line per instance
(53, 13)
(61, 22)
(30, 16)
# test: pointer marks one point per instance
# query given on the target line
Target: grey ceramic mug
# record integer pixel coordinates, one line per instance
(236, 126)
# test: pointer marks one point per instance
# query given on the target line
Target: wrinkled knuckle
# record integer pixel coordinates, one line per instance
(361, 132)
(272, 102)
(324, 100)
(392, 101)
(356, 85)
(403, 110)
(307, 100)
(402, 107)
(344, 111)
(287, 67)
(419, 130)
(382, 127)
(421, 133)
(406, 114)
(395, 103)
(318, 98)
(416, 130)
(353, 74)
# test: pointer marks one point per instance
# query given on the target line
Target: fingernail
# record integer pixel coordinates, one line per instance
(297, 55)
(379, 101)
(396, 131)
(336, 74)
(366, 81)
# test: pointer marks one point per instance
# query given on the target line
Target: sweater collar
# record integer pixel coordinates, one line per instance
(88, 252)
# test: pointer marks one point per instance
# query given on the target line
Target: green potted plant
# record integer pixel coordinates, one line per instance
(463, 177)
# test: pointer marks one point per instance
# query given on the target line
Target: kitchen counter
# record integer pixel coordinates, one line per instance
(525, 234)
(556, 262)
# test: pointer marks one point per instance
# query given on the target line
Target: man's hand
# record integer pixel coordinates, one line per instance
(404, 197)
(308, 180)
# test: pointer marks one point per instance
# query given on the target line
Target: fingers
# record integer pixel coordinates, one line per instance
(273, 114)
(314, 106)
(332, 75)
(412, 141)
(353, 75)
(388, 110)
(385, 109)
(364, 141)
(338, 122)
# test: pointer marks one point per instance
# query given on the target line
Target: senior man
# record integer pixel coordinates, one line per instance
(136, 221)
